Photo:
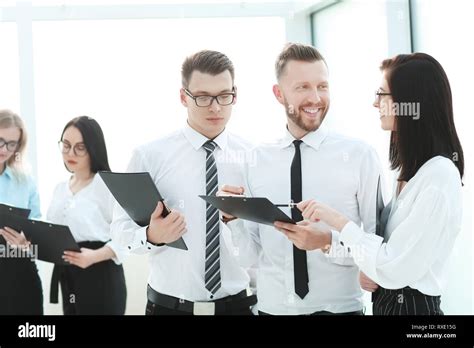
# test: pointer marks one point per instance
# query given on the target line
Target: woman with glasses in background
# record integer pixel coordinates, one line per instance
(20, 286)
(94, 283)
(405, 265)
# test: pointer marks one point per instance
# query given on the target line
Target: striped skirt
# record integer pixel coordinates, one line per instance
(406, 301)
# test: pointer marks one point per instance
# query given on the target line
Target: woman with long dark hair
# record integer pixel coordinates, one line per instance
(405, 265)
(94, 283)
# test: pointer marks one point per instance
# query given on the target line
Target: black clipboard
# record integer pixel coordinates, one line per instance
(137, 195)
(256, 209)
(50, 239)
(8, 209)
(379, 205)
(5, 211)
(382, 213)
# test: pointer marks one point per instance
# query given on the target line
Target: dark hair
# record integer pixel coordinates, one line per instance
(208, 62)
(419, 78)
(296, 51)
(93, 140)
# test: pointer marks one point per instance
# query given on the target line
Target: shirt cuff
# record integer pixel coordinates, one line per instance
(338, 253)
(120, 253)
(351, 234)
(364, 246)
(140, 242)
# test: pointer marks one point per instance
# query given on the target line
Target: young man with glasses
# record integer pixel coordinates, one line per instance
(205, 279)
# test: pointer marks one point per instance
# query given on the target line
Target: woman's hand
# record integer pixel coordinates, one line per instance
(83, 259)
(88, 257)
(366, 283)
(314, 211)
(15, 238)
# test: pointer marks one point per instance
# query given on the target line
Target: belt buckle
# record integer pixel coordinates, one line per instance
(204, 308)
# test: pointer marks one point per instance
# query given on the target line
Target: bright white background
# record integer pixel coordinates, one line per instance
(126, 74)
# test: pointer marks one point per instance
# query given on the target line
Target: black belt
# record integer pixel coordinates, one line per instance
(407, 289)
(58, 270)
(220, 306)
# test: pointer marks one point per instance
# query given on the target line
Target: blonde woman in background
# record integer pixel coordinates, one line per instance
(20, 291)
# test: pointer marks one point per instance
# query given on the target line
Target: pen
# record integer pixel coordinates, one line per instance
(289, 205)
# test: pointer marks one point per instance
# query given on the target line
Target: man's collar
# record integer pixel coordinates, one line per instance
(197, 140)
(313, 139)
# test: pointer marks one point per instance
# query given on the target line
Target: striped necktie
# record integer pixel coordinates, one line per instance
(212, 272)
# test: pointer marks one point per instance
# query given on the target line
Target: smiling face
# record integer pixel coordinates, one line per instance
(211, 120)
(384, 104)
(304, 91)
(8, 135)
(75, 155)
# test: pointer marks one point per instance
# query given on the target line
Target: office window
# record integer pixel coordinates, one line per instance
(352, 36)
(126, 74)
(9, 81)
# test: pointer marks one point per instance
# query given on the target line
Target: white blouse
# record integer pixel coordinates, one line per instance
(88, 213)
(420, 233)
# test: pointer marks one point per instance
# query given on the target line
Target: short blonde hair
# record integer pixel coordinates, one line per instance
(8, 119)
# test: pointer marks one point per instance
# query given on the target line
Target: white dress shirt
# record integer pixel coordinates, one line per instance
(420, 233)
(88, 213)
(336, 170)
(177, 164)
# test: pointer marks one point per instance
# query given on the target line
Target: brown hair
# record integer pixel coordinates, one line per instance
(208, 62)
(9, 119)
(296, 51)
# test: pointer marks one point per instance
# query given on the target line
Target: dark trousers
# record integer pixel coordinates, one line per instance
(323, 313)
(97, 290)
(21, 292)
(406, 301)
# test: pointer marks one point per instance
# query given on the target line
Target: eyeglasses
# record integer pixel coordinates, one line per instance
(11, 145)
(79, 149)
(379, 93)
(207, 100)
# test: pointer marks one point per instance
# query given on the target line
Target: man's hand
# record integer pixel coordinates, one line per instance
(366, 283)
(315, 211)
(306, 236)
(229, 191)
(15, 238)
(165, 230)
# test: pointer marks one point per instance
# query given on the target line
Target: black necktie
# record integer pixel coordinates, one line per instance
(299, 256)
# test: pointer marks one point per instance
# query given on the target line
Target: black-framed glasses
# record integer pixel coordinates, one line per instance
(11, 145)
(79, 149)
(207, 100)
(379, 93)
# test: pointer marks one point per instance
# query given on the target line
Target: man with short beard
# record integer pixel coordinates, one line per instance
(309, 162)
